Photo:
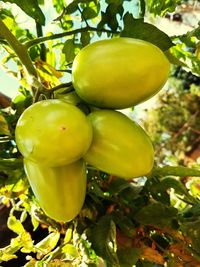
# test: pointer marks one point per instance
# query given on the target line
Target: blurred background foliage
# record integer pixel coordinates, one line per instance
(143, 222)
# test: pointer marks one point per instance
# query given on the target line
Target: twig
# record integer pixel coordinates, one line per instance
(31, 43)
(60, 86)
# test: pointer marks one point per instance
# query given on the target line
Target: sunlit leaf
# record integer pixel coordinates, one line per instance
(31, 8)
(15, 225)
(48, 74)
(47, 244)
(68, 235)
(59, 5)
(160, 7)
(70, 250)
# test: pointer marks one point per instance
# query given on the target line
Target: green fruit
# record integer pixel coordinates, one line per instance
(60, 191)
(120, 146)
(53, 133)
(119, 72)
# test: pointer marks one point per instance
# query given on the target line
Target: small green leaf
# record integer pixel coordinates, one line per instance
(31, 8)
(89, 13)
(70, 250)
(23, 216)
(85, 38)
(69, 50)
(48, 243)
(137, 28)
(15, 225)
(156, 214)
(59, 5)
(160, 8)
(72, 7)
(68, 235)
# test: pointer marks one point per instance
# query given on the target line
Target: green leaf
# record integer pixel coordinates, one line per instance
(85, 38)
(174, 60)
(130, 193)
(72, 7)
(70, 250)
(103, 239)
(118, 185)
(89, 13)
(31, 8)
(170, 182)
(68, 235)
(156, 214)
(137, 28)
(180, 171)
(59, 5)
(160, 7)
(109, 17)
(48, 243)
(69, 50)
(15, 225)
(128, 256)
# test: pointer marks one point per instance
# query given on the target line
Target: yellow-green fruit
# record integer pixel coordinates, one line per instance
(119, 72)
(60, 191)
(53, 133)
(120, 146)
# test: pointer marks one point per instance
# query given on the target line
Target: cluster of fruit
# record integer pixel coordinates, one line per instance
(57, 139)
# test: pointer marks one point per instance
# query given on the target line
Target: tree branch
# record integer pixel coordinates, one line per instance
(31, 43)
(18, 48)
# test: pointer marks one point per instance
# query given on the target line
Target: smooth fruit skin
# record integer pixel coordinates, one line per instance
(120, 146)
(119, 73)
(53, 133)
(60, 191)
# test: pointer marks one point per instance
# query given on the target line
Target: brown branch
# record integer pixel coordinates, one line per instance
(5, 101)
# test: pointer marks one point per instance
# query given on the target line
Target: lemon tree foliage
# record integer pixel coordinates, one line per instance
(153, 219)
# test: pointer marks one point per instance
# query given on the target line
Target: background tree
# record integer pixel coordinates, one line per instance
(141, 222)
